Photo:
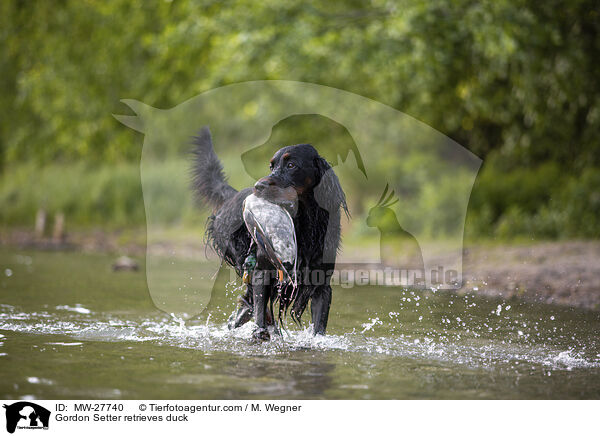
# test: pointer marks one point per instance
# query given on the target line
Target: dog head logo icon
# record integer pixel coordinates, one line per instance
(26, 415)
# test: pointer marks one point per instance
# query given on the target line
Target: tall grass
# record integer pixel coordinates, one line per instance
(542, 203)
(105, 196)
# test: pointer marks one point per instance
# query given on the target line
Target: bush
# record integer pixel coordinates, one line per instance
(541, 203)
(580, 200)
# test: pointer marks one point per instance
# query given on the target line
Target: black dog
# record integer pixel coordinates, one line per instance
(317, 224)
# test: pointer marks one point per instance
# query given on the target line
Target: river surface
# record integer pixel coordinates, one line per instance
(71, 328)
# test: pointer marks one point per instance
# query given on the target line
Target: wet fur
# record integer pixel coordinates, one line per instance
(317, 222)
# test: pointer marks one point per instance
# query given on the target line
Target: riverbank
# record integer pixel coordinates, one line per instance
(554, 272)
(566, 272)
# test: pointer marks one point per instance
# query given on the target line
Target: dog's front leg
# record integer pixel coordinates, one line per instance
(319, 308)
(260, 294)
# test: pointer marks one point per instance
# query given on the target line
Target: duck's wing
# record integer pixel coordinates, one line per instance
(263, 240)
(295, 264)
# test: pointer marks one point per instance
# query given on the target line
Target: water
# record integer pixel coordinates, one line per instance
(71, 328)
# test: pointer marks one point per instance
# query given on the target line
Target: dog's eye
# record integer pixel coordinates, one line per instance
(291, 165)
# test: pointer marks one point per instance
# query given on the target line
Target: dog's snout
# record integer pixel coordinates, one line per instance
(264, 183)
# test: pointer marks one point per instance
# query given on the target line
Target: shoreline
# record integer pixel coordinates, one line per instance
(566, 273)
(553, 272)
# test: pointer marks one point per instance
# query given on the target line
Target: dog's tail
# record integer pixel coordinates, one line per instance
(208, 180)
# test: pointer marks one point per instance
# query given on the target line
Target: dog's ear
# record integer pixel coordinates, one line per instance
(321, 165)
(328, 191)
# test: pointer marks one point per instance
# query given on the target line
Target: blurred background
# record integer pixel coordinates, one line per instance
(515, 82)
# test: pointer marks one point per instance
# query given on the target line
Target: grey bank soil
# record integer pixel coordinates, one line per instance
(566, 273)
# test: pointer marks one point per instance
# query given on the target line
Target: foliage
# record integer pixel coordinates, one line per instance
(514, 81)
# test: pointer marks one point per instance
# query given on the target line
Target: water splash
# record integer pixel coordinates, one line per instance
(455, 348)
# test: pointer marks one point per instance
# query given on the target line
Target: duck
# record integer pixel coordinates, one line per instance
(272, 230)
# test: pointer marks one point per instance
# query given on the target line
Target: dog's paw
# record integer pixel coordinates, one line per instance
(261, 334)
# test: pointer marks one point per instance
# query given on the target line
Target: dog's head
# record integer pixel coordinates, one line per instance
(295, 171)
(299, 172)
